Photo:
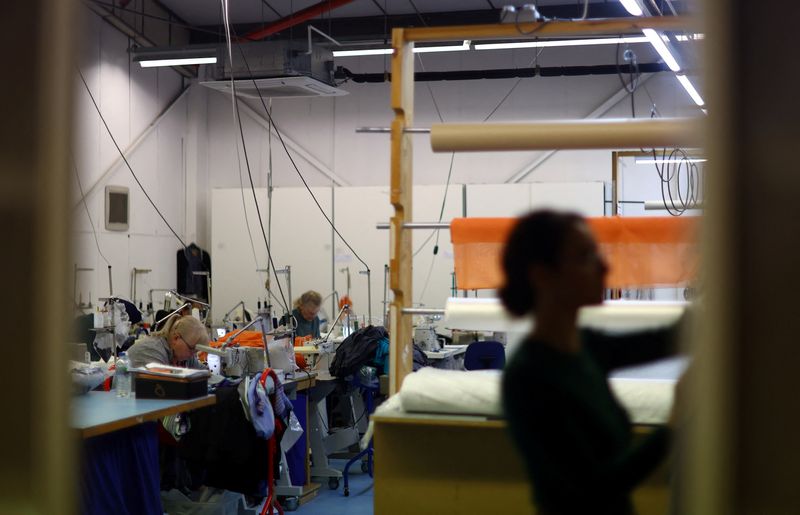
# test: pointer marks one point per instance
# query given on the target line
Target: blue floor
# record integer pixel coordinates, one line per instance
(333, 502)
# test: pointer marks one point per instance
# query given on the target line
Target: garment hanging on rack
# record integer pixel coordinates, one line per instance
(189, 260)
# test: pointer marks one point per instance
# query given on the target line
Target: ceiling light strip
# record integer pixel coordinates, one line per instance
(689, 87)
(153, 63)
(661, 47)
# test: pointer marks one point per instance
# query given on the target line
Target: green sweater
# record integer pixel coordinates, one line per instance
(573, 435)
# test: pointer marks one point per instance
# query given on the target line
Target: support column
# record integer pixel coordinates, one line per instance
(744, 451)
(400, 251)
(37, 472)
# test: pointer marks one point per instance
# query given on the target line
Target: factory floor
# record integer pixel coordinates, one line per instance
(333, 502)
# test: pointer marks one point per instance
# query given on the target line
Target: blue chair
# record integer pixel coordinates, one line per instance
(488, 355)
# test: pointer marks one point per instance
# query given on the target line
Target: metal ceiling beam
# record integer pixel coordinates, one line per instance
(138, 37)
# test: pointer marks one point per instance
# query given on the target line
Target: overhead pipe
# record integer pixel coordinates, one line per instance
(295, 19)
(506, 73)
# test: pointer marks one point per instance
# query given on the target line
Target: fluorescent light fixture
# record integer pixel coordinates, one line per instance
(358, 53)
(632, 6)
(651, 161)
(687, 85)
(561, 43)
(654, 39)
(448, 48)
(177, 62)
(151, 57)
(417, 50)
(690, 37)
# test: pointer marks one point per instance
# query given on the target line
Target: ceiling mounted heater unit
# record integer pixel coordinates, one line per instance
(280, 69)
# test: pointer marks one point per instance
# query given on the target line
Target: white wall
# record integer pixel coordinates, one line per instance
(130, 99)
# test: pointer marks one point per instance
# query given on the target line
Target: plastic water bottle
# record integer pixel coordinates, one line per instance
(122, 376)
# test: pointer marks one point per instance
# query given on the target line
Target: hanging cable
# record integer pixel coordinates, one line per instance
(89, 216)
(585, 10)
(291, 159)
(533, 62)
(125, 160)
(238, 120)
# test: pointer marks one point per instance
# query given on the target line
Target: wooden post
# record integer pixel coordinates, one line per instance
(38, 469)
(400, 252)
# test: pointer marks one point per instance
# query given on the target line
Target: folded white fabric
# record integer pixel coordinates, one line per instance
(647, 401)
(432, 390)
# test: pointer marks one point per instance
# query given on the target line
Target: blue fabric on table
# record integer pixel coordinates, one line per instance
(120, 474)
(296, 455)
(382, 356)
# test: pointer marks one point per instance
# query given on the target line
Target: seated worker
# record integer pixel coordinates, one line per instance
(305, 312)
(175, 344)
(574, 437)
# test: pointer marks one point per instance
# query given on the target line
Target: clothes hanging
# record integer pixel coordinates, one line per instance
(189, 260)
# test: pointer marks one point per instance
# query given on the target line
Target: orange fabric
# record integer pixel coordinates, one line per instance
(249, 339)
(345, 301)
(246, 339)
(641, 251)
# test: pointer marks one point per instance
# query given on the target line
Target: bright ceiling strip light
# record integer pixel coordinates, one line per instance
(632, 6)
(418, 50)
(651, 161)
(661, 48)
(562, 43)
(449, 48)
(689, 87)
(358, 53)
(690, 37)
(153, 63)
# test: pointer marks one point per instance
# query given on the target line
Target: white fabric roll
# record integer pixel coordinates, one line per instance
(647, 401)
(489, 315)
(432, 390)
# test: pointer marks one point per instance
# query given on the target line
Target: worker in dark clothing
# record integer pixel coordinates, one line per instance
(574, 437)
(305, 313)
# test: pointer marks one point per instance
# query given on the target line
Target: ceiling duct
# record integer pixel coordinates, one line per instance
(280, 69)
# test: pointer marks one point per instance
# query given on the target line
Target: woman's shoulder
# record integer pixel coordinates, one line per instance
(150, 340)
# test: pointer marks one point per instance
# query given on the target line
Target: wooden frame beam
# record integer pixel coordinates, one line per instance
(402, 102)
(548, 29)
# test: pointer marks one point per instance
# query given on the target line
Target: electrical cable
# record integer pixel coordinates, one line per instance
(237, 119)
(516, 83)
(291, 159)
(633, 82)
(585, 10)
(88, 215)
(127, 164)
(244, 204)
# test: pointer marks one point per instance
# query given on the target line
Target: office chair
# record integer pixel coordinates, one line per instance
(488, 355)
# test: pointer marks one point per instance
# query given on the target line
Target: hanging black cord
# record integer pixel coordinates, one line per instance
(291, 159)
(127, 164)
(246, 160)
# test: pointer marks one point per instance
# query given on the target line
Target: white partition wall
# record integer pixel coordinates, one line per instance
(302, 238)
(492, 200)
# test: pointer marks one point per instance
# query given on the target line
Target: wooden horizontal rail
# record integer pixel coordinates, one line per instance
(548, 29)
